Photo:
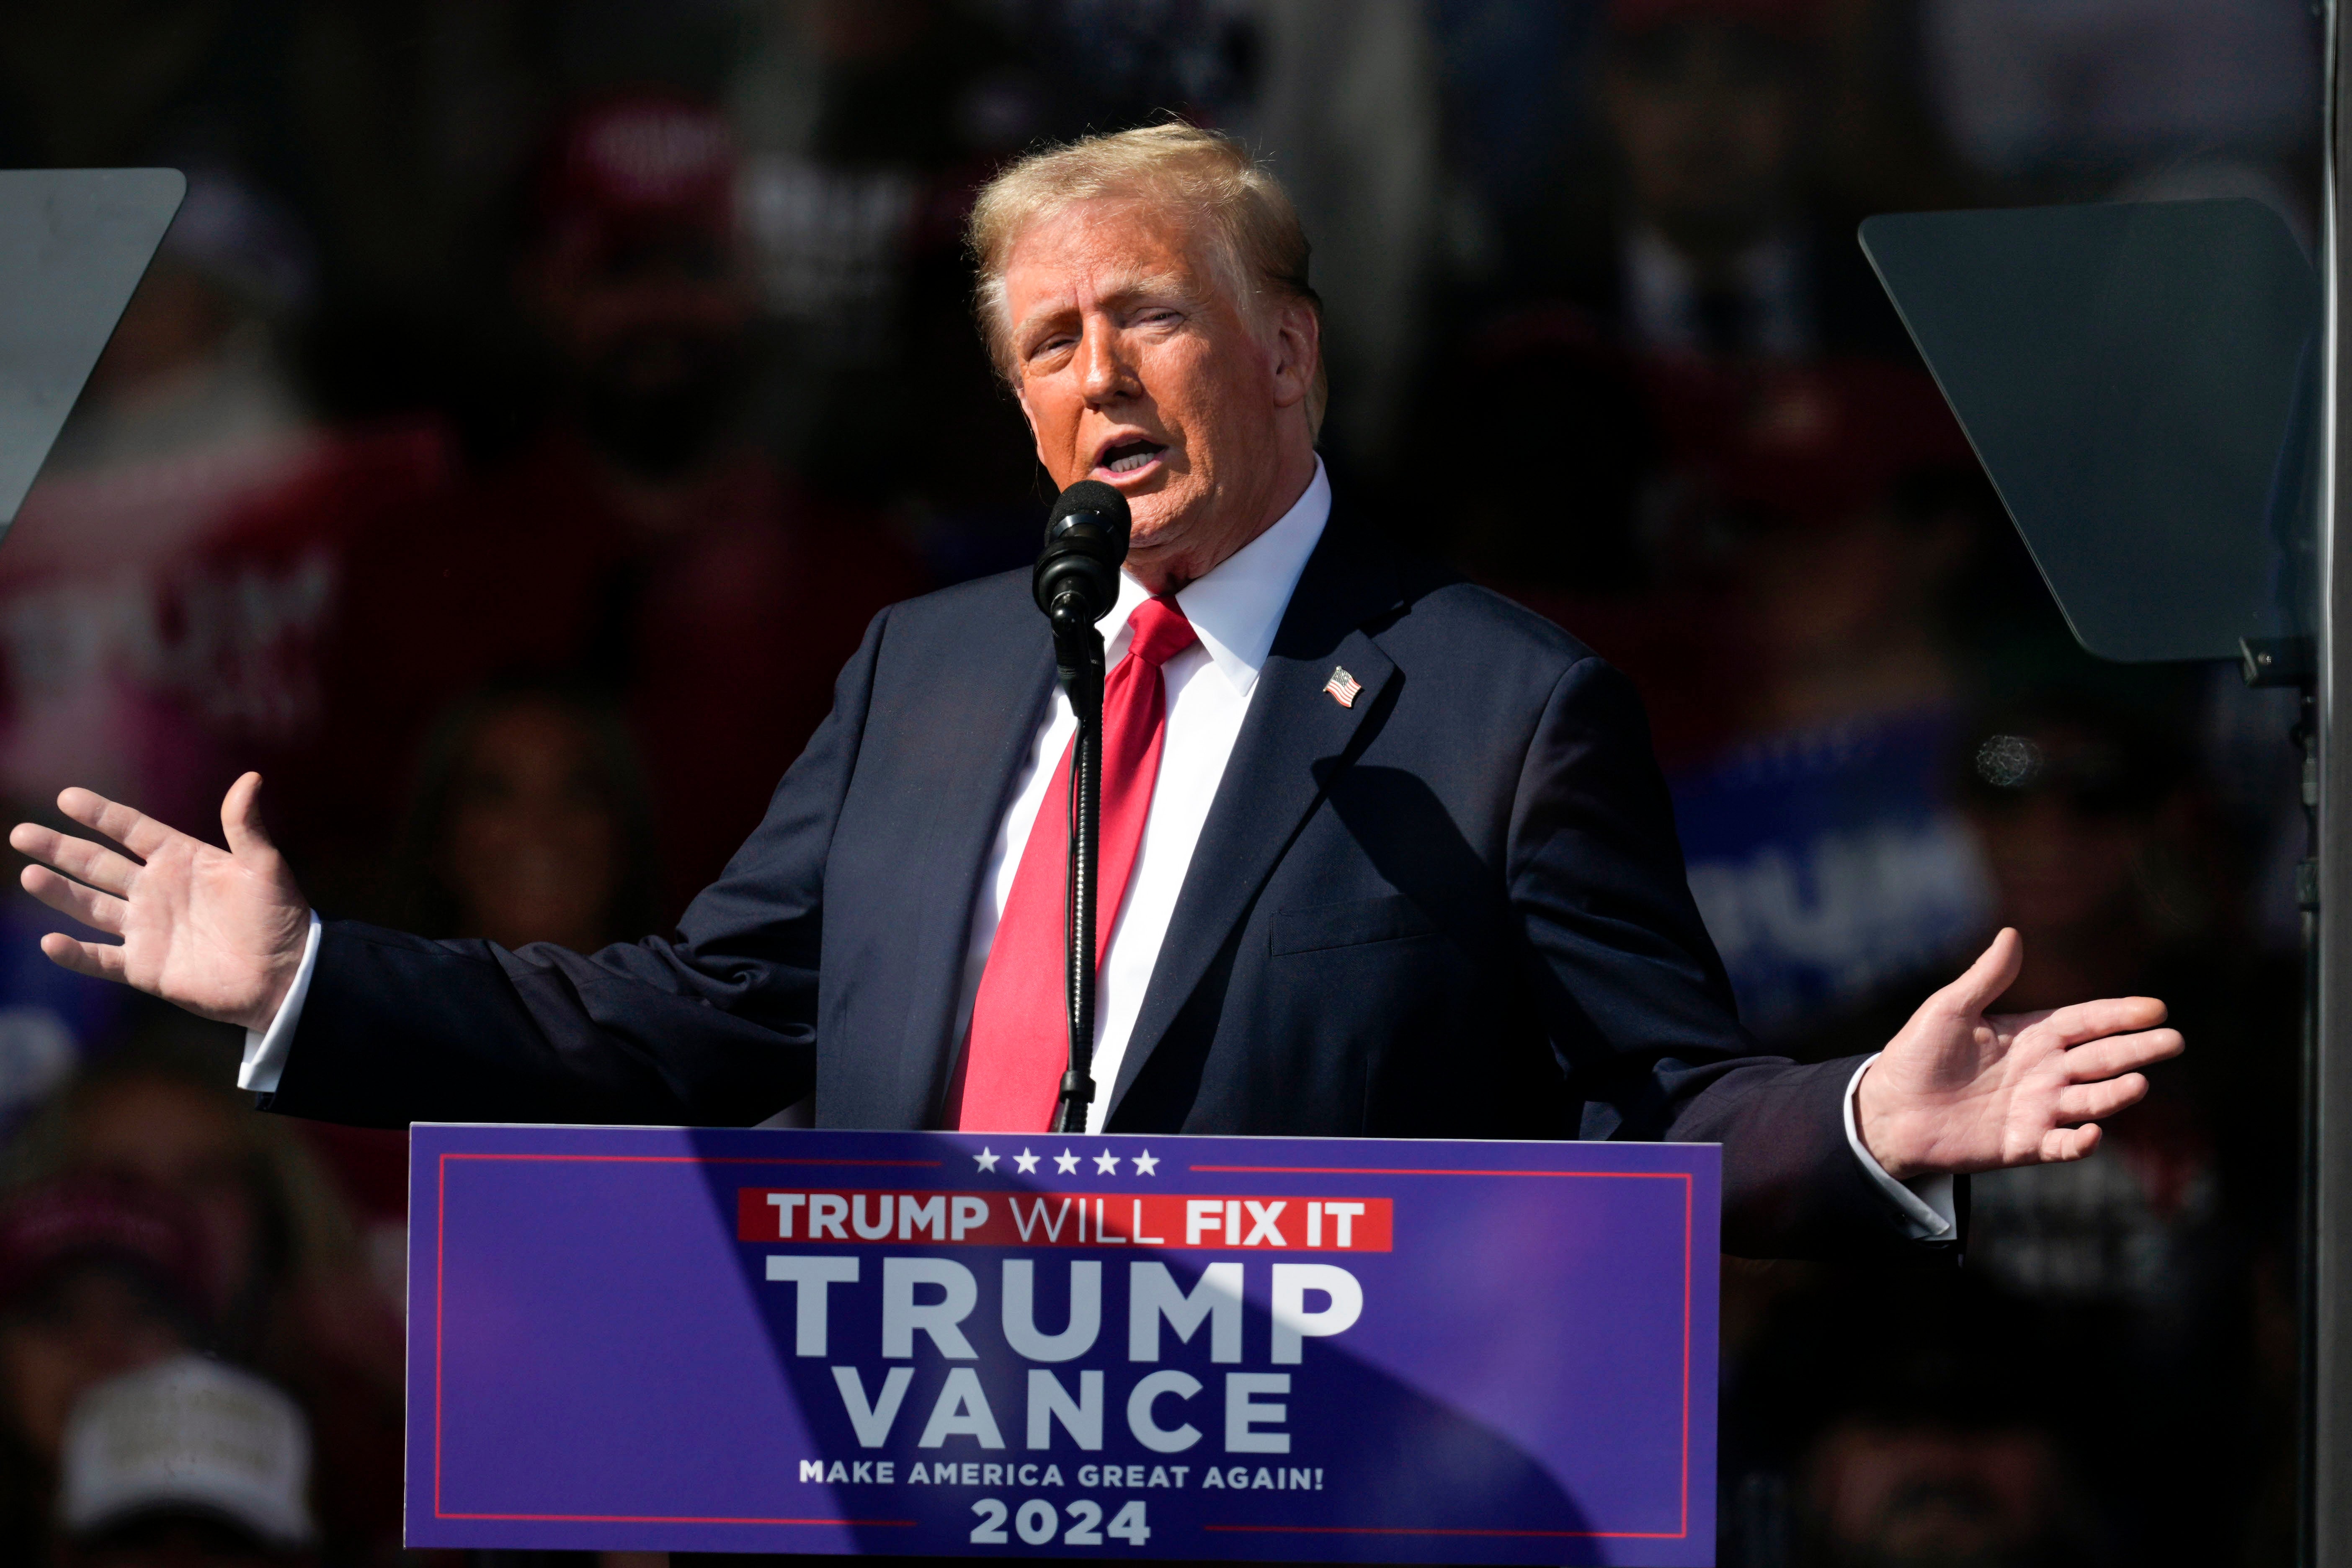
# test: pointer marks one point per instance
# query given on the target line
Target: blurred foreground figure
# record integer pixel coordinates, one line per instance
(286, 1287)
(643, 544)
(187, 1464)
(98, 1276)
(1923, 1492)
(1897, 1419)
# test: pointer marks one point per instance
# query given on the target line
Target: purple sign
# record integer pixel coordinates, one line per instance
(917, 1343)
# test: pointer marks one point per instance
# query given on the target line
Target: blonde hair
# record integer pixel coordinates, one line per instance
(1258, 239)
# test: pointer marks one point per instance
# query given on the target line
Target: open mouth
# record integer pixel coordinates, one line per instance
(1129, 456)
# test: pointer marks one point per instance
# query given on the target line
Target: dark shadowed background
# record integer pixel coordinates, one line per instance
(533, 401)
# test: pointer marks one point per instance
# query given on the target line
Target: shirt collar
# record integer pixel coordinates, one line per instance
(1237, 607)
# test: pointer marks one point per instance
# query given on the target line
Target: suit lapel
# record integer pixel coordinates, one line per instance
(1006, 690)
(1295, 737)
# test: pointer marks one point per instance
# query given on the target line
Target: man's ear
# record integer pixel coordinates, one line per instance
(1021, 396)
(1297, 348)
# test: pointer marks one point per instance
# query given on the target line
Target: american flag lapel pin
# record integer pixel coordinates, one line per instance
(1342, 687)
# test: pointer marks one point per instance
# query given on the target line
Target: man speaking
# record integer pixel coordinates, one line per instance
(1384, 854)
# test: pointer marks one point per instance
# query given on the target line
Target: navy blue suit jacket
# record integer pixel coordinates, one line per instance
(1455, 909)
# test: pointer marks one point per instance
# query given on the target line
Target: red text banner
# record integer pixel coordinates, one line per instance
(1064, 1219)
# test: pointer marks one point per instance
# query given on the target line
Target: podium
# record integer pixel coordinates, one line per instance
(973, 1345)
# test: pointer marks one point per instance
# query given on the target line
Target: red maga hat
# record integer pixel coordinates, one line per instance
(639, 163)
(1818, 443)
(74, 1219)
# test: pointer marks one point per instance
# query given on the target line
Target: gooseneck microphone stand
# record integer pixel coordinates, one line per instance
(1076, 584)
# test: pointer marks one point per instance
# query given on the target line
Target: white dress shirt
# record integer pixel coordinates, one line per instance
(265, 1049)
(1236, 609)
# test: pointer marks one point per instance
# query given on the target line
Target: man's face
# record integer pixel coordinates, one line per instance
(1136, 365)
(532, 845)
(653, 334)
(177, 1138)
(1705, 116)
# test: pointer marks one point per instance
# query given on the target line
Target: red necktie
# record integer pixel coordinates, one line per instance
(1011, 1070)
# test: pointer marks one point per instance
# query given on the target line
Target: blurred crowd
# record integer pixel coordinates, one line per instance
(530, 405)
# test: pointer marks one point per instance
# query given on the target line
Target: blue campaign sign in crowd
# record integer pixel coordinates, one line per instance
(1831, 864)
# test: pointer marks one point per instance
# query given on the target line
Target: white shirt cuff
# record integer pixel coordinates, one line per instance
(1928, 1214)
(265, 1050)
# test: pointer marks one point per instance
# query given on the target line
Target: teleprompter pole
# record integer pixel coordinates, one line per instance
(2294, 662)
(2326, 1254)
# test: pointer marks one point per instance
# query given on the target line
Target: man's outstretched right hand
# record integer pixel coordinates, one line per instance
(218, 932)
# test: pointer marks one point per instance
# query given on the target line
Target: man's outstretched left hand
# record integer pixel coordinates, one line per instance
(1962, 1089)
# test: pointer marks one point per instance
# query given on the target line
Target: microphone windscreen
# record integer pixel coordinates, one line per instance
(1096, 496)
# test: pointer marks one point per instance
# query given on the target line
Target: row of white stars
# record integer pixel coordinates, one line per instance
(1107, 1163)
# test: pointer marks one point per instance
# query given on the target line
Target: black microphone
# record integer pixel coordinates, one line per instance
(1075, 584)
(1076, 580)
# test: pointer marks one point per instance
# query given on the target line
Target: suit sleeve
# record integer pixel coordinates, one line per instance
(1635, 1001)
(715, 1027)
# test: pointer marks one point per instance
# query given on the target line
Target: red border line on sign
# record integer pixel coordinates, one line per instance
(1689, 1190)
(1382, 1170)
(664, 1518)
(1438, 1529)
(440, 1273)
(440, 1245)
(691, 1160)
(1689, 1202)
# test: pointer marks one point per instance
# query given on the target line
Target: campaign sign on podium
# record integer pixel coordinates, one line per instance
(943, 1344)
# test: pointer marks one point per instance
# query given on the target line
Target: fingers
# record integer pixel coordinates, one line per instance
(101, 867)
(134, 830)
(99, 960)
(1993, 973)
(2122, 1054)
(241, 818)
(102, 911)
(2108, 1015)
(2062, 1145)
(2097, 1101)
